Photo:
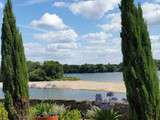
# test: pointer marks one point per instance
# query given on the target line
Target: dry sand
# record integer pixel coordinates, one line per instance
(80, 85)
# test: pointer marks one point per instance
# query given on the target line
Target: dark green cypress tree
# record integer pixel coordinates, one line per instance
(13, 68)
(139, 70)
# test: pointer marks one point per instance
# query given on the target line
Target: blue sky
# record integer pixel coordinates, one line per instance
(78, 31)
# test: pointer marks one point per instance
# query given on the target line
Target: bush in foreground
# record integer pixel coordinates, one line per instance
(97, 114)
(46, 109)
(3, 113)
(60, 110)
(71, 115)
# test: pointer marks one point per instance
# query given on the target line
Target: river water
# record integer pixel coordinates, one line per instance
(78, 95)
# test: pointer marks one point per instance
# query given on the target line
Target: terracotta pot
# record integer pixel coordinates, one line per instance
(55, 117)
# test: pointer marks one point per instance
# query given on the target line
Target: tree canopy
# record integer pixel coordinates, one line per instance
(139, 70)
(13, 67)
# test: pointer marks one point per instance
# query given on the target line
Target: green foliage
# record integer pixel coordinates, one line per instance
(3, 113)
(13, 67)
(158, 64)
(70, 78)
(33, 65)
(71, 115)
(91, 114)
(48, 71)
(37, 75)
(46, 109)
(91, 68)
(53, 69)
(97, 114)
(139, 70)
(107, 115)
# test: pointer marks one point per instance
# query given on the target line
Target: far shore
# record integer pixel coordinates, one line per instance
(79, 85)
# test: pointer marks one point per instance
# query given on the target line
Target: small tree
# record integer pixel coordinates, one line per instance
(139, 70)
(13, 68)
(53, 70)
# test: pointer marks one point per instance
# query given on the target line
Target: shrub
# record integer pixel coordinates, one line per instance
(91, 114)
(48, 71)
(53, 69)
(3, 113)
(107, 115)
(37, 75)
(58, 109)
(97, 114)
(46, 109)
(71, 115)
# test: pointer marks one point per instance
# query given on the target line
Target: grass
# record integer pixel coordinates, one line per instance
(68, 79)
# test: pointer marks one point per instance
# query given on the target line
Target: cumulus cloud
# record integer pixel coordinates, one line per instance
(1, 5)
(151, 12)
(96, 38)
(64, 44)
(59, 39)
(58, 52)
(34, 50)
(49, 21)
(114, 24)
(93, 8)
(59, 4)
(62, 36)
(100, 47)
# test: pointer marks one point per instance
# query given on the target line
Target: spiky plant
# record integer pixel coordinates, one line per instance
(107, 115)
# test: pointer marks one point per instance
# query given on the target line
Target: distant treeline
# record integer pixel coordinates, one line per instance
(95, 68)
(53, 70)
(92, 68)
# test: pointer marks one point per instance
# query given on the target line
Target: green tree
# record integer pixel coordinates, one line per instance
(53, 69)
(33, 65)
(38, 75)
(13, 68)
(139, 70)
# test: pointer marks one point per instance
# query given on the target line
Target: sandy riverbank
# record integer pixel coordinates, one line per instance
(79, 85)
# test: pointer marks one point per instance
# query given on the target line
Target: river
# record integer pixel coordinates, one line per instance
(78, 95)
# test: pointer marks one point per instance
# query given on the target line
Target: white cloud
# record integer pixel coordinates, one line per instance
(59, 4)
(34, 50)
(65, 46)
(151, 12)
(114, 24)
(96, 38)
(1, 5)
(93, 8)
(93, 48)
(62, 36)
(37, 51)
(49, 21)
(57, 43)
(100, 47)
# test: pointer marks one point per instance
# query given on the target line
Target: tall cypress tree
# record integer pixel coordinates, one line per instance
(139, 70)
(13, 67)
